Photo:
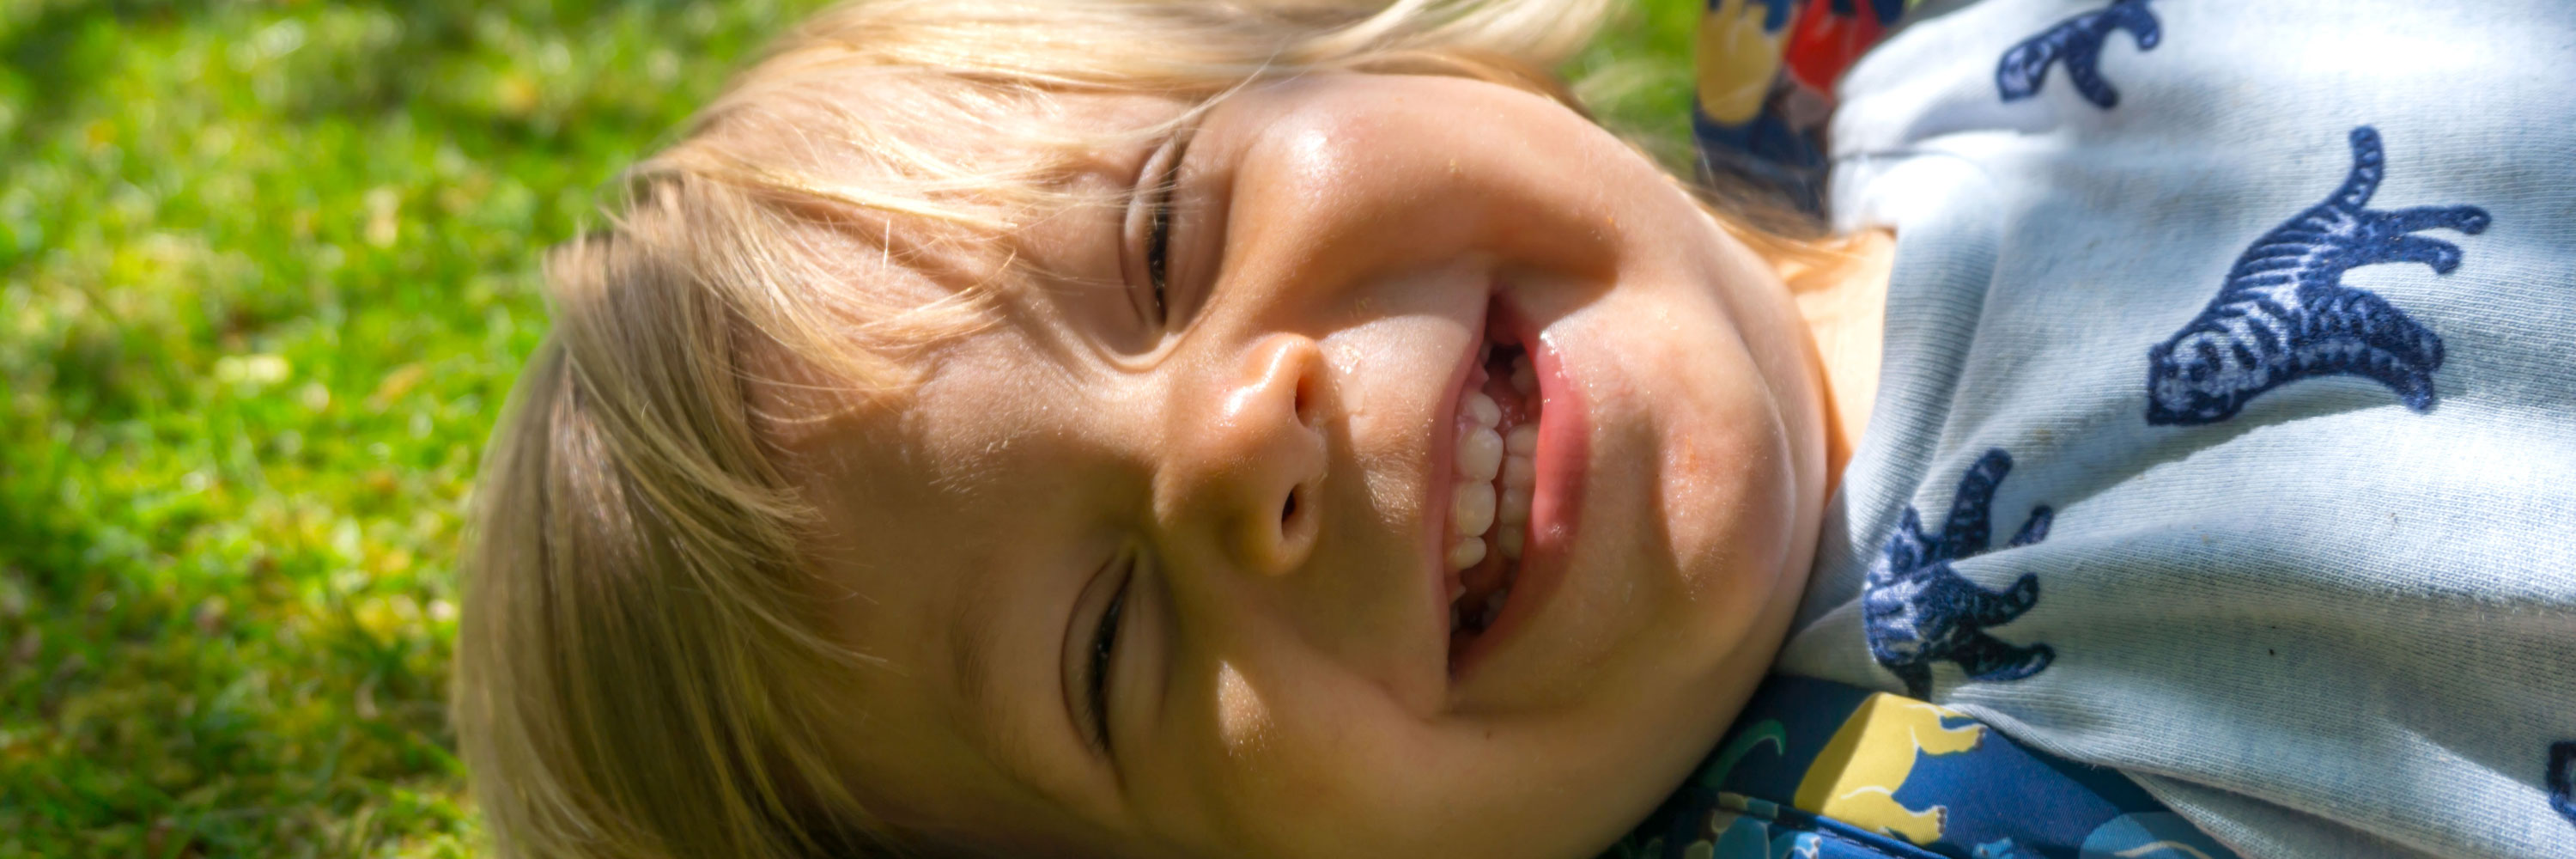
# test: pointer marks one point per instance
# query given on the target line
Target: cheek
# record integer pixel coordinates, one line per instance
(1725, 483)
(1273, 769)
(1281, 761)
(1243, 723)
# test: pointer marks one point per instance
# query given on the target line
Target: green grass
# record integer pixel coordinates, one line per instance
(266, 272)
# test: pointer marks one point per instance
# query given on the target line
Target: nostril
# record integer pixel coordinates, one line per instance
(1304, 401)
(1296, 522)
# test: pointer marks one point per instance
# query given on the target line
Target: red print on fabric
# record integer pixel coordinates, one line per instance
(1825, 42)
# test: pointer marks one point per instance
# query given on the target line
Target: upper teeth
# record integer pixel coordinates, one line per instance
(1482, 455)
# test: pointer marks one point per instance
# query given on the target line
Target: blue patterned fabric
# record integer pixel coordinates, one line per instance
(1814, 768)
(2307, 584)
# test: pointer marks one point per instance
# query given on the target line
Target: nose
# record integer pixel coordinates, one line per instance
(1245, 455)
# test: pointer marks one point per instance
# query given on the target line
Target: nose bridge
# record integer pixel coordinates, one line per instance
(1245, 456)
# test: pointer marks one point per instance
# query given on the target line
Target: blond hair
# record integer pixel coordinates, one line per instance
(639, 671)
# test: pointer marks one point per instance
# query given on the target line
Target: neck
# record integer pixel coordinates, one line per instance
(1845, 306)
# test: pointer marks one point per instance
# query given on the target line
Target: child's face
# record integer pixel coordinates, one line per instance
(1262, 480)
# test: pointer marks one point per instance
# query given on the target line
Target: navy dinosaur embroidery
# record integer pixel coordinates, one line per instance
(2562, 779)
(2077, 40)
(1919, 611)
(2283, 314)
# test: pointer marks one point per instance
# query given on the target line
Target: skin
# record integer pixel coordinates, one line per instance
(1281, 686)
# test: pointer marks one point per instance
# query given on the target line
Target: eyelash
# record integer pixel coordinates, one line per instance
(1158, 234)
(1158, 239)
(1104, 642)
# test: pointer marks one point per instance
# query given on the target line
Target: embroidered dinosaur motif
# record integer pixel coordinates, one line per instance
(2562, 779)
(2077, 40)
(2283, 314)
(1919, 611)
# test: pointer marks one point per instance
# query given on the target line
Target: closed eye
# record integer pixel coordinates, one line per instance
(1104, 644)
(1164, 173)
(1158, 242)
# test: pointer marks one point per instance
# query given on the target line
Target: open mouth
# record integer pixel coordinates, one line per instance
(1493, 481)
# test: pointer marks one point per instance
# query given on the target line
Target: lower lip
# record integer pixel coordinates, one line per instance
(1554, 502)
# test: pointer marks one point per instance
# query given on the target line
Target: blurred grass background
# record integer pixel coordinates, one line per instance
(267, 270)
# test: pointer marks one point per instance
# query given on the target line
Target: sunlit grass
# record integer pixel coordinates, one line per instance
(266, 272)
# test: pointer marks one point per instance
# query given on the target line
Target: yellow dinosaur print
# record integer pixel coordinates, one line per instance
(1855, 778)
